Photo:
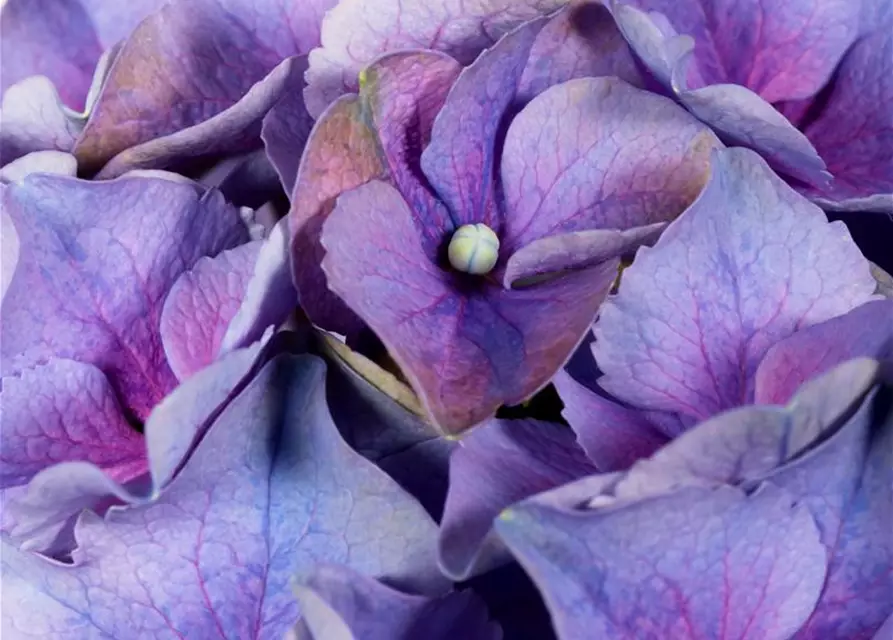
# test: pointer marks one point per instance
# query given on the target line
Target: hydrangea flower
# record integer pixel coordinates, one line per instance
(805, 84)
(112, 293)
(761, 522)
(178, 80)
(231, 394)
(270, 491)
(422, 155)
(738, 315)
(775, 325)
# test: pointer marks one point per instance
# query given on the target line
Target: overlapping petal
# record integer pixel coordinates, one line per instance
(270, 489)
(737, 273)
(636, 554)
(338, 602)
(854, 130)
(499, 464)
(355, 32)
(467, 347)
(96, 262)
(200, 305)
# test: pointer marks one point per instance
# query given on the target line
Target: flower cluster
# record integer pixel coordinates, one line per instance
(420, 319)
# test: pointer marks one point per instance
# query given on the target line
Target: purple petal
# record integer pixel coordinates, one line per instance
(405, 91)
(738, 115)
(65, 410)
(187, 63)
(466, 348)
(156, 143)
(97, 260)
(866, 331)
(737, 273)
(50, 38)
(460, 162)
(697, 563)
(854, 131)
(41, 515)
(201, 304)
(247, 180)
(582, 40)
(380, 417)
(114, 21)
(355, 32)
(599, 153)
(612, 435)
(269, 293)
(886, 630)
(783, 52)
(34, 119)
(749, 444)
(554, 255)
(497, 465)
(271, 490)
(342, 153)
(55, 162)
(339, 603)
(742, 118)
(859, 589)
(285, 131)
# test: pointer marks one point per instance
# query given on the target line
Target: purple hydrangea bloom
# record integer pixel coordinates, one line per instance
(739, 314)
(101, 318)
(270, 491)
(446, 318)
(763, 345)
(761, 522)
(807, 85)
(389, 175)
(178, 80)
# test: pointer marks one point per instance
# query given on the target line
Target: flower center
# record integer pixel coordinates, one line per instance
(474, 249)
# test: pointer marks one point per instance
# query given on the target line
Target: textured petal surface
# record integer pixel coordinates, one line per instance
(56, 162)
(858, 594)
(743, 119)
(355, 32)
(497, 465)
(597, 153)
(339, 603)
(34, 119)
(404, 92)
(342, 153)
(158, 145)
(854, 132)
(285, 130)
(97, 260)
(271, 489)
(735, 274)
(200, 305)
(467, 346)
(65, 410)
(740, 116)
(867, 331)
(50, 38)
(40, 516)
(553, 255)
(613, 436)
(187, 63)
(781, 52)
(580, 41)
(269, 293)
(697, 563)
(462, 158)
(820, 428)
